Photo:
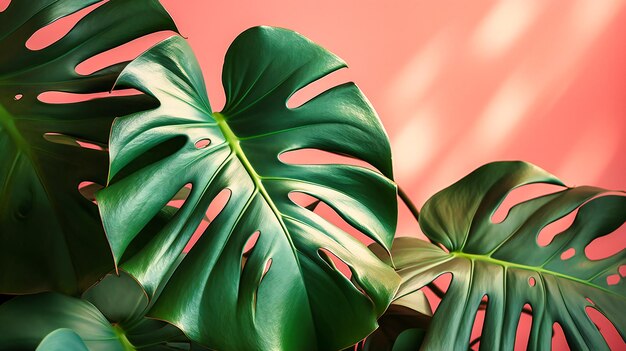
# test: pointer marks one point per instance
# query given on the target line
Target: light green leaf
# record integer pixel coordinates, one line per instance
(215, 295)
(51, 236)
(62, 340)
(505, 262)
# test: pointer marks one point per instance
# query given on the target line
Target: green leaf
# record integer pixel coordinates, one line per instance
(124, 304)
(52, 238)
(111, 315)
(62, 339)
(402, 326)
(26, 320)
(505, 262)
(215, 295)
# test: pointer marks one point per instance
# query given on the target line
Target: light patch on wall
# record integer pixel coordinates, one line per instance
(588, 18)
(415, 145)
(415, 79)
(504, 111)
(503, 26)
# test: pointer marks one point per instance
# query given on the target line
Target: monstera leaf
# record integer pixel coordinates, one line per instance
(110, 316)
(284, 293)
(51, 236)
(505, 262)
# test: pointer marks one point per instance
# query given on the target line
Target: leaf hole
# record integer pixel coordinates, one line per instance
(215, 208)
(522, 334)
(443, 247)
(441, 283)
(329, 214)
(310, 156)
(532, 282)
(317, 87)
(607, 245)
(567, 254)
(335, 262)
(590, 301)
(18, 97)
(247, 249)
(4, 4)
(88, 190)
(202, 143)
(266, 269)
(519, 195)
(63, 139)
(613, 279)
(606, 328)
(122, 53)
(58, 29)
(550, 231)
(302, 199)
(181, 196)
(622, 270)
(479, 324)
(62, 97)
(559, 342)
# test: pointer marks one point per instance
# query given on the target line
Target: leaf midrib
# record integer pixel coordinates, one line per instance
(233, 142)
(539, 270)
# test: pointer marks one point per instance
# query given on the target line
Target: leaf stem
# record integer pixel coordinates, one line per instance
(408, 203)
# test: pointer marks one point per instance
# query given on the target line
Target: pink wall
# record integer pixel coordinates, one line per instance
(457, 85)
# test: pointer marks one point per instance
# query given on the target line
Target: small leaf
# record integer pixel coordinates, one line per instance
(62, 340)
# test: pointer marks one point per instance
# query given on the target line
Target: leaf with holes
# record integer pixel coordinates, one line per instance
(285, 292)
(505, 262)
(52, 238)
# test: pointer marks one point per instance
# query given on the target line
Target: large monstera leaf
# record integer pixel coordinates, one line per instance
(51, 237)
(505, 262)
(285, 293)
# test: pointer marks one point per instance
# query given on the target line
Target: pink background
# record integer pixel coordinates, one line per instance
(456, 85)
(459, 85)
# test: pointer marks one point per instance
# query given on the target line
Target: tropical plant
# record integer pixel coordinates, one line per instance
(52, 237)
(266, 273)
(504, 262)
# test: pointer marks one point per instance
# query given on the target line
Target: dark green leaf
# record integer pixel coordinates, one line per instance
(51, 236)
(111, 316)
(215, 295)
(26, 320)
(505, 262)
(402, 326)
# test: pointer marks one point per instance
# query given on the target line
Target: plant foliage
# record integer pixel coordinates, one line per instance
(504, 262)
(286, 293)
(52, 237)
